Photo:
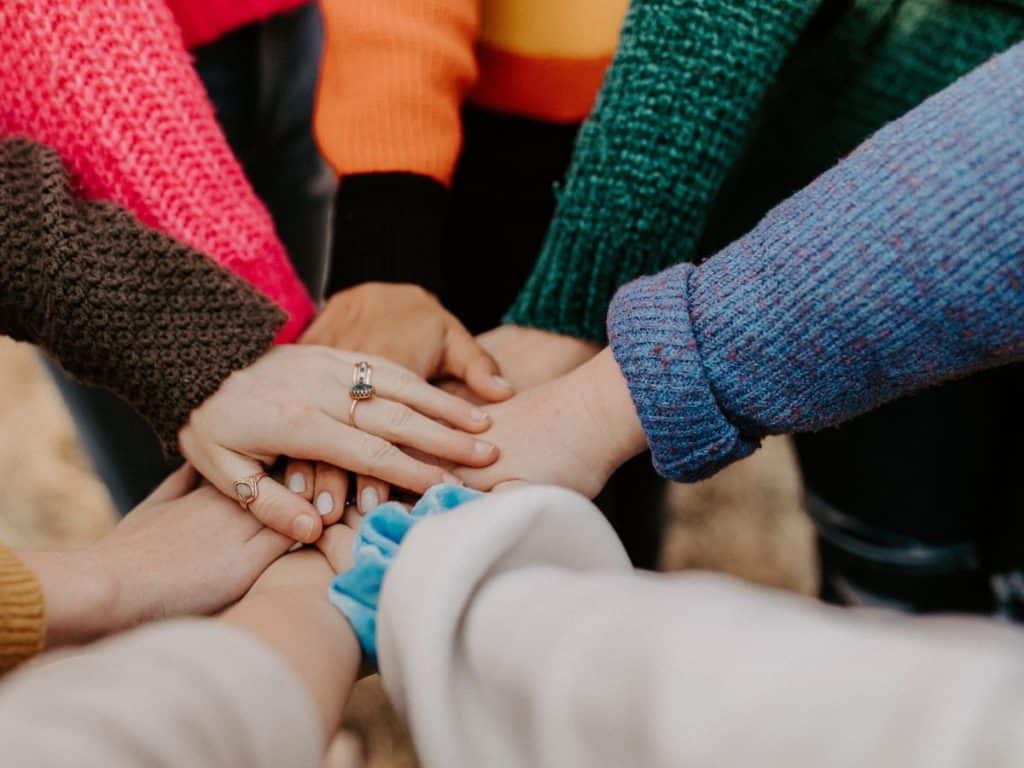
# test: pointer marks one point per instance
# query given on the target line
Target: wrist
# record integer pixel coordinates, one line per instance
(312, 637)
(80, 595)
(614, 424)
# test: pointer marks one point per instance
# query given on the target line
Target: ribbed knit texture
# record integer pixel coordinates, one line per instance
(901, 267)
(203, 21)
(669, 124)
(109, 85)
(22, 613)
(116, 304)
(880, 60)
(393, 79)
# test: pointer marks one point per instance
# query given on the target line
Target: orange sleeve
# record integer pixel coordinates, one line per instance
(392, 82)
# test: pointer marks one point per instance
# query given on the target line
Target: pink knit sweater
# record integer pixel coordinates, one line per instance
(110, 86)
(203, 21)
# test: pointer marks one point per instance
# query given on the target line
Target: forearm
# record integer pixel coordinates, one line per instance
(314, 640)
(79, 595)
(199, 693)
(122, 105)
(900, 268)
(539, 646)
(116, 304)
(672, 118)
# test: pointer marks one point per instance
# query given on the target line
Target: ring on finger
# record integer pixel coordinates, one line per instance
(362, 381)
(248, 490)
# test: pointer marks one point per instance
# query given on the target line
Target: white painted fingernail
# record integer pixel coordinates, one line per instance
(502, 382)
(368, 500)
(297, 483)
(482, 449)
(477, 415)
(452, 479)
(324, 503)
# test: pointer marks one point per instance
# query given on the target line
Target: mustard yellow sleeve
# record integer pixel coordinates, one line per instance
(22, 614)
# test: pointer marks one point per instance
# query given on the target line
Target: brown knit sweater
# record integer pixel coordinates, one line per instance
(22, 627)
(116, 304)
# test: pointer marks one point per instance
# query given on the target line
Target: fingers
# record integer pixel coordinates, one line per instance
(275, 506)
(336, 545)
(466, 360)
(299, 476)
(370, 494)
(395, 383)
(330, 491)
(326, 439)
(399, 424)
(175, 485)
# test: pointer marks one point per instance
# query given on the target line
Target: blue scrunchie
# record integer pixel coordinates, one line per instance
(356, 591)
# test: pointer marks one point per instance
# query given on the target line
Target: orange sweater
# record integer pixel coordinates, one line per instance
(22, 625)
(396, 72)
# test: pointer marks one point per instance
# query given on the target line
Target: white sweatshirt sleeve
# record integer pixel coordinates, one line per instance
(193, 693)
(512, 632)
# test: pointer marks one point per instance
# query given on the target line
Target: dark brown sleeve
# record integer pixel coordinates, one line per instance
(116, 304)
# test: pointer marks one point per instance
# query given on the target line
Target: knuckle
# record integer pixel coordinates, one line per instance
(399, 418)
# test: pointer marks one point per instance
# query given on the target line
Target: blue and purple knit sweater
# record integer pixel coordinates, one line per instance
(900, 268)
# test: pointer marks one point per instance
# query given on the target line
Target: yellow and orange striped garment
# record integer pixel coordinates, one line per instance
(396, 73)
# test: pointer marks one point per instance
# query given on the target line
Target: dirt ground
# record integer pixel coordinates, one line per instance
(746, 521)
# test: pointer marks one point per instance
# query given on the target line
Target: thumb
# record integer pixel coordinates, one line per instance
(175, 485)
(466, 360)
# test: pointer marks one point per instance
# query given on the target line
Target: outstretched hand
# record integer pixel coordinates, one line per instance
(573, 431)
(407, 325)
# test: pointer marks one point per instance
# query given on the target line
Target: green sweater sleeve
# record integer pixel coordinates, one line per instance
(116, 304)
(670, 122)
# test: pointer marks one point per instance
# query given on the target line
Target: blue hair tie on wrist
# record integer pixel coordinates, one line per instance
(356, 592)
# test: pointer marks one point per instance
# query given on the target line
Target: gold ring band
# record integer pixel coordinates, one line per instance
(352, 413)
(248, 490)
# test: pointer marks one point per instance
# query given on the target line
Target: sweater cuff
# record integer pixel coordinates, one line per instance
(388, 228)
(652, 338)
(22, 615)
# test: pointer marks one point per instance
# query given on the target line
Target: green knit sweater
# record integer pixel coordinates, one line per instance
(703, 90)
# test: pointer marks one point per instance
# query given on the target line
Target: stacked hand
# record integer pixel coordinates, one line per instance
(295, 401)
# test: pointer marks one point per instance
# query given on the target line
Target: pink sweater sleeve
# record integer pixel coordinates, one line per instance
(108, 84)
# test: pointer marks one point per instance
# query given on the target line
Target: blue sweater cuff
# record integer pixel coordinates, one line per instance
(356, 592)
(652, 338)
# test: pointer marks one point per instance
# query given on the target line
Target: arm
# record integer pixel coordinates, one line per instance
(671, 120)
(388, 120)
(115, 304)
(262, 686)
(537, 645)
(110, 87)
(900, 268)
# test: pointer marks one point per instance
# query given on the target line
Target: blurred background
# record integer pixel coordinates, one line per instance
(748, 521)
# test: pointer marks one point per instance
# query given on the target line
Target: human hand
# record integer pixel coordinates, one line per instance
(179, 552)
(573, 431)
(409, 326)
(288, 610)
(294, 401)
(530, 356)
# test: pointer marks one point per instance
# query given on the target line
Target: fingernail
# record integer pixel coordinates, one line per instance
(297, 483)
(482, 449)
(477, 415)
(368, 500)
(303, 527)
(324, 503)
(452, 479)
(502, 382)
